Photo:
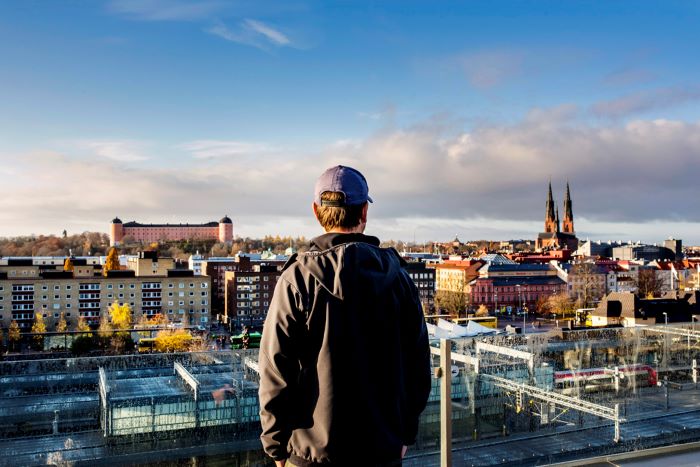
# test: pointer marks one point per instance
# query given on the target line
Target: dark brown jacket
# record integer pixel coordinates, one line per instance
(344, 358)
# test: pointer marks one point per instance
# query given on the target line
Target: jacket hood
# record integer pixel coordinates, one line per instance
(345, 264)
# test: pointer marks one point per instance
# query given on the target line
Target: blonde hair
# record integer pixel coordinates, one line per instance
(333, 217)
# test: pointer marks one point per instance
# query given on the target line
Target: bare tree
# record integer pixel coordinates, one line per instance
(588, 286)
(648, 283)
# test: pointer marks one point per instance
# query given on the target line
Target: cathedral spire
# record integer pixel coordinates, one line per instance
(549, 218)
(568, 212)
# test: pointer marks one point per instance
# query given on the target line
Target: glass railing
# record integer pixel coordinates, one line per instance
(545, 397)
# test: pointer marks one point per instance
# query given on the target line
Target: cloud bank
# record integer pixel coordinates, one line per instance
(489, 181)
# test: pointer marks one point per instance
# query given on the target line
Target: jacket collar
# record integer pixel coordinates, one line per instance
(329, 240)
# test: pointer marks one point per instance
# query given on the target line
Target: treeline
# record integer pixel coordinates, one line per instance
(84, 244)
(97, 244)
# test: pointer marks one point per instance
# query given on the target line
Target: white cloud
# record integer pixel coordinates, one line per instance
(270, 33)
(644, 101)
(116, 150)
(636, 180)
(210, 149)
(165, 10)
(253, 33)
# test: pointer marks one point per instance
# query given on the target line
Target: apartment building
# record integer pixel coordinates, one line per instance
(216, 268)
(248, 294)
(85, 292)
(424, 278)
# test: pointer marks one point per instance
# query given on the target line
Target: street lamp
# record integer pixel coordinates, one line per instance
(694, 318)
(495, 303)
(665, 318)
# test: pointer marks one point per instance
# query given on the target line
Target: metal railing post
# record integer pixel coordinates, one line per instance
(446, 403)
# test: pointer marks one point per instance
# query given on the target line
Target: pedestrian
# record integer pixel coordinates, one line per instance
(344, 358)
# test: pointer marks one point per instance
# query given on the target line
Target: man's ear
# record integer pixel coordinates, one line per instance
(364, 213)
(314, 208)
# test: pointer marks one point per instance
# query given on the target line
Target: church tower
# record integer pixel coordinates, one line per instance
(550, 222)
(568, 225)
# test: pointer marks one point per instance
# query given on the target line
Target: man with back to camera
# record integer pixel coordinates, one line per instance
(344, 358)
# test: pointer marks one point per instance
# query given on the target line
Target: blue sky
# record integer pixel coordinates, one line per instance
(458, 113)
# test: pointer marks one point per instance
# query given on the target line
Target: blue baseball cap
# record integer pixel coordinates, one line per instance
(345, 180)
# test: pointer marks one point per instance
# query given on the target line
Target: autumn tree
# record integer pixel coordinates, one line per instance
(158, 319)
(648, 283)
(482, 311)
(542, 306)
(61, 326)
(173, 341)
(452, 297)
(68, 265)
(13, 334)
(120, 316)
(82, 325)
(562, 305)
(38, 328)
(105, 329)
(112, 261)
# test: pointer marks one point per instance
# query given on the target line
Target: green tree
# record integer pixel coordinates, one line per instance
(13, 334)
(38, 328)
(112, 261)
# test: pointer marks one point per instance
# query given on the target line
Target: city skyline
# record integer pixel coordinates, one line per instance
(180, 111)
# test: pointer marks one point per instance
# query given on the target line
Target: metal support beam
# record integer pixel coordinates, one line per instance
(507, 351)
(554, 397)
(446, 403)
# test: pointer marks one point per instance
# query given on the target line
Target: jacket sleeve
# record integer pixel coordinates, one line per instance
(417, 363)
(279, 367)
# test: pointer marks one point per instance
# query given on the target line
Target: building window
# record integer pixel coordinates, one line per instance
(67, 305)
(121, 286)
(68, 287)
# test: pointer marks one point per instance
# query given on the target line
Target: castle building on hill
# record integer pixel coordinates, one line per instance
(221, 231)
(554, 237)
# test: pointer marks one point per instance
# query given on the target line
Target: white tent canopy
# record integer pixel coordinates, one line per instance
(448, 330)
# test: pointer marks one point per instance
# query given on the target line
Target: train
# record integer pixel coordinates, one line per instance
(596, 379)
